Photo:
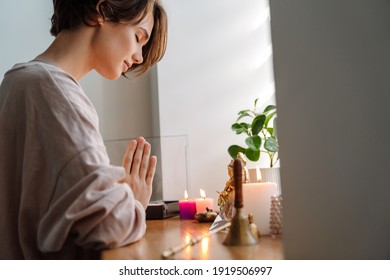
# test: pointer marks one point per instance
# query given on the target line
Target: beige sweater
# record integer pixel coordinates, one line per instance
(59, 196)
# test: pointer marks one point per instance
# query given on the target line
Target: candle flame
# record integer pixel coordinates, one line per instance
(258, 174)
(202, 193)
(185, 195)
(246, 173)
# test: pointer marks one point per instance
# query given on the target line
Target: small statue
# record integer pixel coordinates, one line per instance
(204, 217)
(225, 201)
(224, 195)
(255, 231)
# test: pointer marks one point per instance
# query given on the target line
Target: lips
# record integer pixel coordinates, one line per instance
(128, 64)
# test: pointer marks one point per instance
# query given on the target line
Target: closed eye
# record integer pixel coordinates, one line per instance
(143, 37)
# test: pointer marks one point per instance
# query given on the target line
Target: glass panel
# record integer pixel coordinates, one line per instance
(171, 179)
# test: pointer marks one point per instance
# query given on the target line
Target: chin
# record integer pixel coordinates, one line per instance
(114, 74)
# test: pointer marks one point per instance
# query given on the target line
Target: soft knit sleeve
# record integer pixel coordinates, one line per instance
(90, 208)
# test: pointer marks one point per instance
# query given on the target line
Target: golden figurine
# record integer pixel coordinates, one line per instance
(225, 200)
(224, 195)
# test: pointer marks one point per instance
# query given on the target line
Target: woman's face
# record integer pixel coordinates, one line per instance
(117, 46)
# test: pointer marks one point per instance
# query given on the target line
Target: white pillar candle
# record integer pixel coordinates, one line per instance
(257, 200)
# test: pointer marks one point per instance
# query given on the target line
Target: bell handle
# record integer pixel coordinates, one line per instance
(237, 181)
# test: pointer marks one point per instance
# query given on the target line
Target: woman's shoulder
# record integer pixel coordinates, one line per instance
(36, 71)
(42, 83)
(37, 79)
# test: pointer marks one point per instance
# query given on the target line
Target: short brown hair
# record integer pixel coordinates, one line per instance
(71, 14)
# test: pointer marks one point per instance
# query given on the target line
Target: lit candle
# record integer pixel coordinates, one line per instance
(258, 174)
(247, 178)
(257, 200)
(203, 202)
(187, 207)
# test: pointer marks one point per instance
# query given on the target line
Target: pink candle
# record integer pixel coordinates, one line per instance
(187, 208)
(204, 202)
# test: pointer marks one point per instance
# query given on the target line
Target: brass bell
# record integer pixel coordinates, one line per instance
(240, 232)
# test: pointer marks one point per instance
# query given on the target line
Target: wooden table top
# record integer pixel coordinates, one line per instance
(164, 234)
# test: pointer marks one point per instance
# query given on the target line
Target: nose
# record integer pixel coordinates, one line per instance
(137, 57)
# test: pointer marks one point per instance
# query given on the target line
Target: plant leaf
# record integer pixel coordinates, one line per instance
(233, 150)
(269, 108)
(242, 115)
(252, 155)
(240, 128)
(275, 134)
(269, 117)
(257, 124)
(244, 111)
(270, 131)
(271, 145)
(245, 126)
(253, 142)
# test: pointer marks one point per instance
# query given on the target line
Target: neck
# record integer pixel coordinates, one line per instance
(71, 51)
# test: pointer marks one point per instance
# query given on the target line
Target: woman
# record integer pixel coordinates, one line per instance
(59, 196)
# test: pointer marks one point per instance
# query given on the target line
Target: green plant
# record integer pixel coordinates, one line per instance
(261, 137)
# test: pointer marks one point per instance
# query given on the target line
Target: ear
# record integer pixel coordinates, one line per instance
(100, 11)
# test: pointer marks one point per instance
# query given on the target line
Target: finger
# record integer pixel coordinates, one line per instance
(151, 170)
(138, 156)
(128, 157)
(145, 161)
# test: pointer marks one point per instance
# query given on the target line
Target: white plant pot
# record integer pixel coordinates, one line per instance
(271, 174)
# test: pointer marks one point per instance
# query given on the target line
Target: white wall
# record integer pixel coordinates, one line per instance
(218, 62)
(332, 65)
(123, 105)
(24, 31)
